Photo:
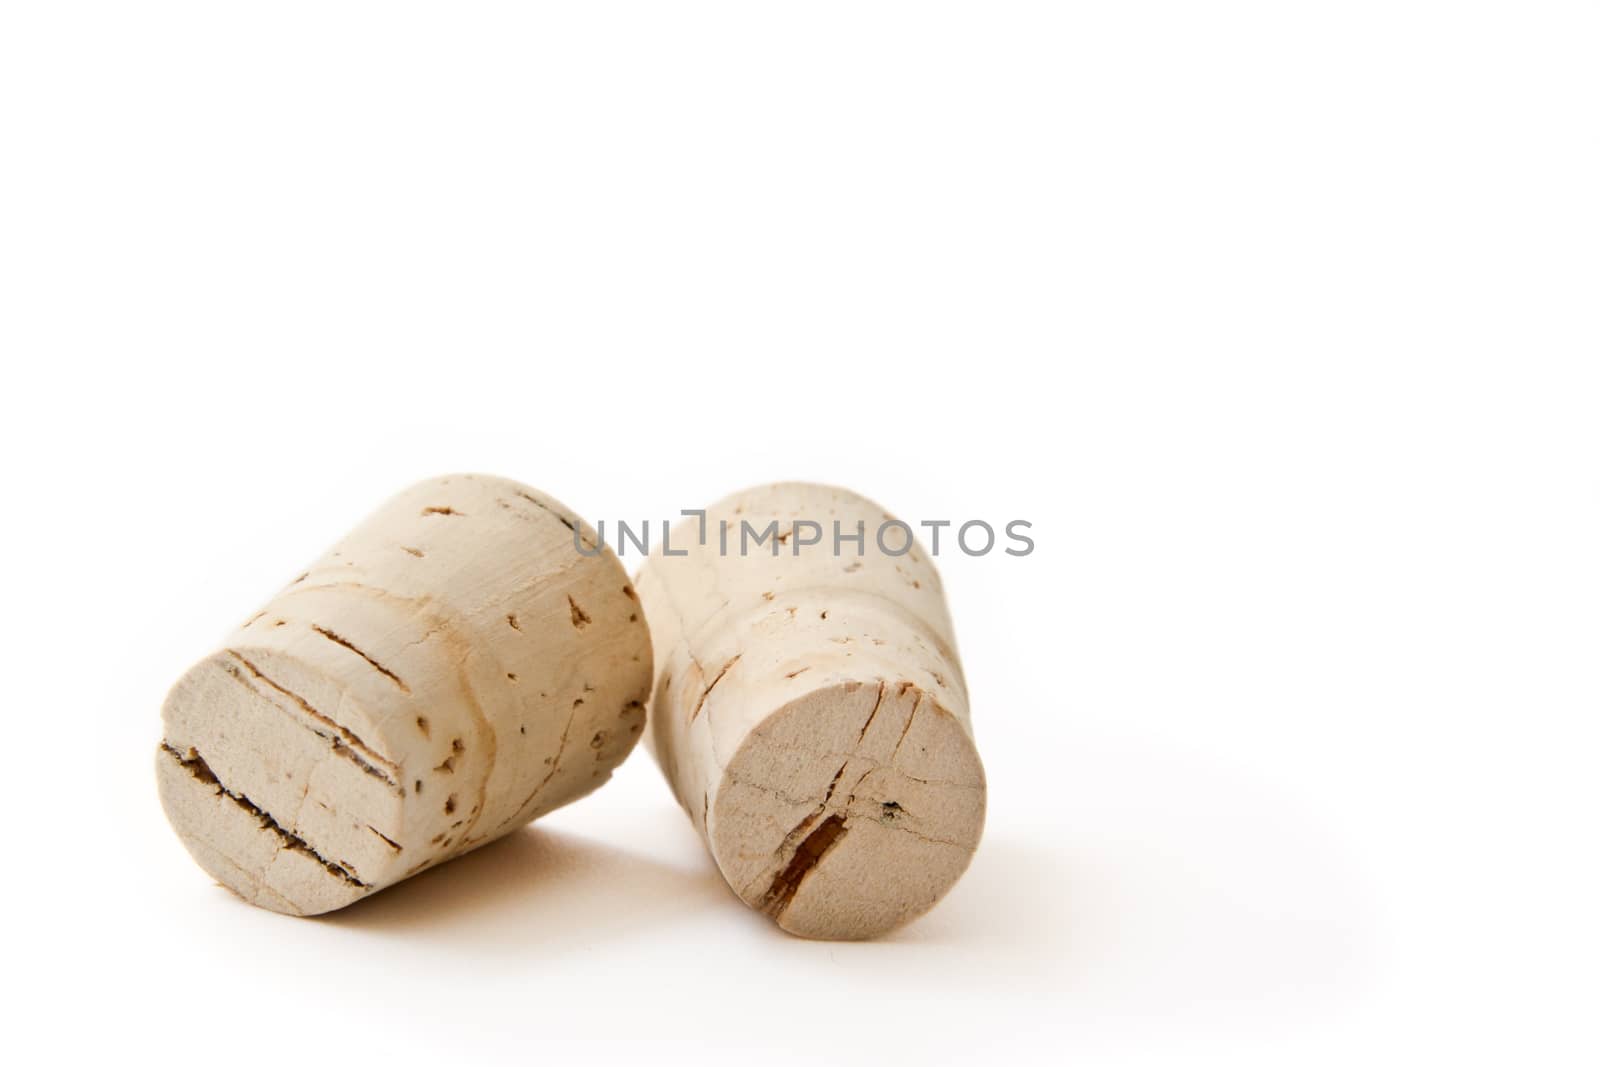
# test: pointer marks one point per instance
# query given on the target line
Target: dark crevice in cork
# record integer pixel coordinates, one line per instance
(197, 767)
(536, 502)
(872, 715)
(344, 642)
(810, 853)
(578, 536)
(909, 720)
(832, 786)
(388, 840)
(345, 743)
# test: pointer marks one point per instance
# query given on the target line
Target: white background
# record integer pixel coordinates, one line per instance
(1279, 322)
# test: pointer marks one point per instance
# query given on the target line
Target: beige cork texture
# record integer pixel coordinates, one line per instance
(452, 669)
(810, 712)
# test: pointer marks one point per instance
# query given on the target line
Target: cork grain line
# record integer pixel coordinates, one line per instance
(824, 839)
(201, 772)
(726, 667)
(345, 742)
(345, 642)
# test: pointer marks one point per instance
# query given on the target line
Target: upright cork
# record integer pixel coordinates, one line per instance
(466, 660)
(809, 708)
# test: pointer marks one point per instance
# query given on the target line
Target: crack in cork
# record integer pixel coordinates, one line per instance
(909, 720)
(387, 839)
(707, 691)
(202, 772)
(872, 714)
(345, 642)
(489, 741)
(817, 845)
(536, 502)
(555, 763)
(578, 536)
(345, 743)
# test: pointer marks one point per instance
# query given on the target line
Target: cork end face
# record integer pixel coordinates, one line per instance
(242, 847)
(283, 809)
(849, 811)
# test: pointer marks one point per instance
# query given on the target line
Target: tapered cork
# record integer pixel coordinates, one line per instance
(466, 660)
(810, 712)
